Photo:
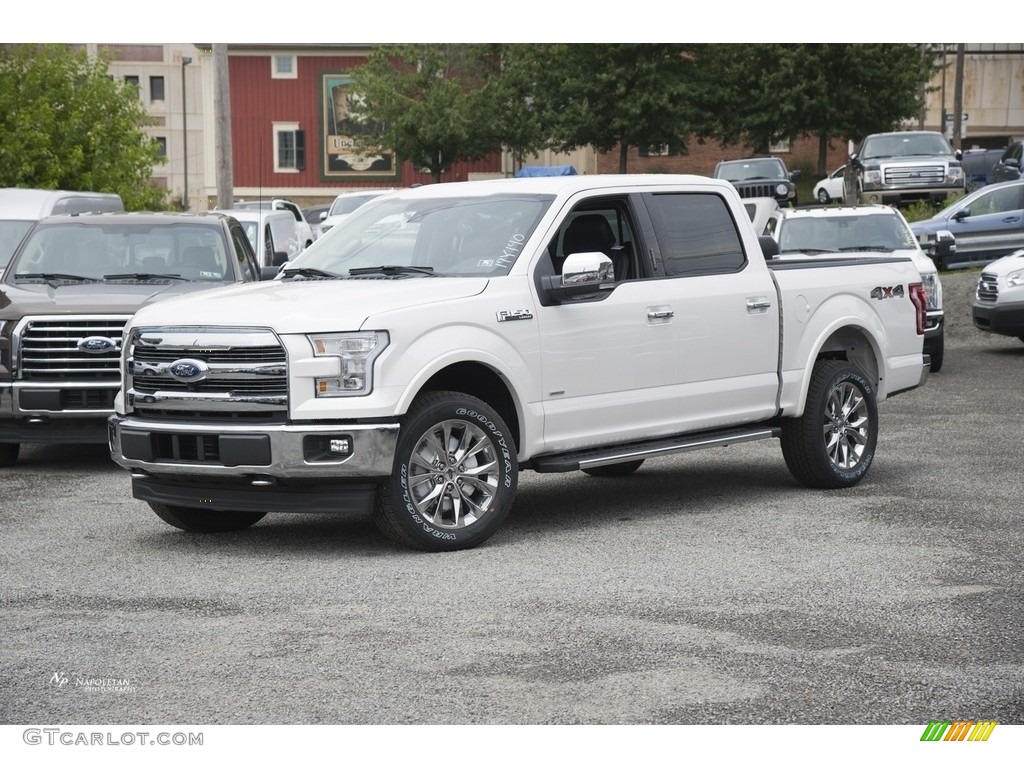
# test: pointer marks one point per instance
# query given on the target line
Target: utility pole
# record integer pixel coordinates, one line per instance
(958, 96)
(222, 127)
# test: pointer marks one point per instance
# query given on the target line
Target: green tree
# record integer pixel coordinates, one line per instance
(755, 94)
(614, 96)
(66, 124)
(433, 104)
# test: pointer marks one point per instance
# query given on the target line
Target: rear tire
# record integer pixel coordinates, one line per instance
(205, 520)
(937, 350)
(9, 453)
(455, 475)
(615, 470)
(823, 197)
(833, 444)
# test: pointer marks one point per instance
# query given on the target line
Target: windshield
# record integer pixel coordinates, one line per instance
(436, 235)
(71, 250)
(11, 232)
(841, 234)
(748, 170)
(905, 145)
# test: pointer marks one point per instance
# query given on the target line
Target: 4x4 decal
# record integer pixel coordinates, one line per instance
(888, 292)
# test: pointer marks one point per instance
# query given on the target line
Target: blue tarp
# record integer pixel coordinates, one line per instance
(545, 170)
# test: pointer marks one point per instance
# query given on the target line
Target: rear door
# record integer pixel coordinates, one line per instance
(725, 310)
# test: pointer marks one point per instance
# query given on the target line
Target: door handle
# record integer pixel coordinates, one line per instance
(660, 314)
(758, 304)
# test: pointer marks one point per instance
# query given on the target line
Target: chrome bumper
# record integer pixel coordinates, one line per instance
(281, 451)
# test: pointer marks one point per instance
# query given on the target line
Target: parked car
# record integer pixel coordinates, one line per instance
(979, 165)
(987, 224)
(72, 285)
(280, 204)
(1008, 166)
(999, 299)
(21, 208)
(759, 209)
(830, 188)
(313, 215)
(273, 235)
(902, 167)
(863, 230)
(347, 202)
(760, 177)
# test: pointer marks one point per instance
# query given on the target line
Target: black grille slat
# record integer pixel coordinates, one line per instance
(247, 355)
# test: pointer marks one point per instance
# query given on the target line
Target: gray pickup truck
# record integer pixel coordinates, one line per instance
(903, 167)
(70, 288)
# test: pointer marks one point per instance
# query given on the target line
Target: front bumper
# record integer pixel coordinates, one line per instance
(262, 451)
(1004, 319)
(888, 194)
(49, 413)
(328, 468)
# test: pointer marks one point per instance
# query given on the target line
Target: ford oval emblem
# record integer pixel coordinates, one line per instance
(97, 345)
(188, 370)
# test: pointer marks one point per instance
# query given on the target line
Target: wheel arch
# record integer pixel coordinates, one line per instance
(851, 342)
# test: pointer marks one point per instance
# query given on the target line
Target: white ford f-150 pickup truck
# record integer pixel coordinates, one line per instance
(442, 339)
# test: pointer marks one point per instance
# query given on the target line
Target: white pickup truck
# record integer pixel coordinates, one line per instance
(442, 339)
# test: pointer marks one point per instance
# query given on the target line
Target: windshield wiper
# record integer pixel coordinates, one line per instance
(308, 272)
(809, 251)
(882, 248)
(54, 276)
(392, 269)
(143, 276)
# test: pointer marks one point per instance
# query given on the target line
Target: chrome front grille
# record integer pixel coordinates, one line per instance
(54, 348)
(988, 288)
(221, 373)
(914, 175)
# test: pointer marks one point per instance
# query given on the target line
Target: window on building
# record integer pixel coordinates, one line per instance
(782, 145)
(658, 150)
(156, 88)
(284, 67)
(289, 147)
(132, 80)
(162, 144)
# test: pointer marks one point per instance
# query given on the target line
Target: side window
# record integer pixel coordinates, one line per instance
(696, 233)
(603, 229)
(246, 259)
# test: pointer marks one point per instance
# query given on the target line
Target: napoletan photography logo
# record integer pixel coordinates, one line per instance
(958, 730)
(95, 684)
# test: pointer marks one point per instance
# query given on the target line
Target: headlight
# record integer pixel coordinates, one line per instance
(1015, 279)
(873, 177)
(954, 175)
(357, 351)
(781, 189)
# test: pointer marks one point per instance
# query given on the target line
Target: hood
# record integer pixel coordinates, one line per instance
(308, 306)
(114, 298)
(1007, 264)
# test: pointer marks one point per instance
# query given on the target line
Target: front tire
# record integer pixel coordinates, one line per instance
(9, 454)
(833, 444)
(205, 520)
(823, 197)
(454, 478)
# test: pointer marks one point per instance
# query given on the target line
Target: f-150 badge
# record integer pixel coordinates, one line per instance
(506, 315)
(891, 292)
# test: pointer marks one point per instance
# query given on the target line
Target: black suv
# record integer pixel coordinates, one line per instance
(760, 177)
